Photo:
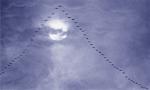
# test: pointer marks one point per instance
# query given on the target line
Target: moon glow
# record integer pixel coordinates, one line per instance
(59, 29)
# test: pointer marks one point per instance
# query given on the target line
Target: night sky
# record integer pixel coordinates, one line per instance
(107, 45)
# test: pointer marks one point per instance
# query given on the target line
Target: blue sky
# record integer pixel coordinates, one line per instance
(119, 28)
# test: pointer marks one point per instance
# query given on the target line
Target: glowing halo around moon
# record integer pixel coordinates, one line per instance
(58, 24)
(60, 27)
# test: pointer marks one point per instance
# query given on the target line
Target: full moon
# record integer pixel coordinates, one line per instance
(59, 27)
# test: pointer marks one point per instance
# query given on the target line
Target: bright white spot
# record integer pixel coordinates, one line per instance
(59, 28)
(58, 24)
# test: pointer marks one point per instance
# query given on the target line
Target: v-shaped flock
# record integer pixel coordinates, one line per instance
(60, 8)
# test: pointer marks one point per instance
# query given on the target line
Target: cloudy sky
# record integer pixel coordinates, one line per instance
(30, 60)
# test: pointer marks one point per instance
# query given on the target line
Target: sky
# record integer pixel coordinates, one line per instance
(32, 61)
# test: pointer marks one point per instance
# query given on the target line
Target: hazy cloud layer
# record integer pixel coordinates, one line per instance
(120, 28)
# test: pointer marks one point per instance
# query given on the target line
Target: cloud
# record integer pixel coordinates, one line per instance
(119, 28)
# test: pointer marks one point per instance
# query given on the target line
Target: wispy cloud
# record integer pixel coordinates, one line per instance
(119, 28)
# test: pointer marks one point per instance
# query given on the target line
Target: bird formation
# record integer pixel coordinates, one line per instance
(85, 35)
